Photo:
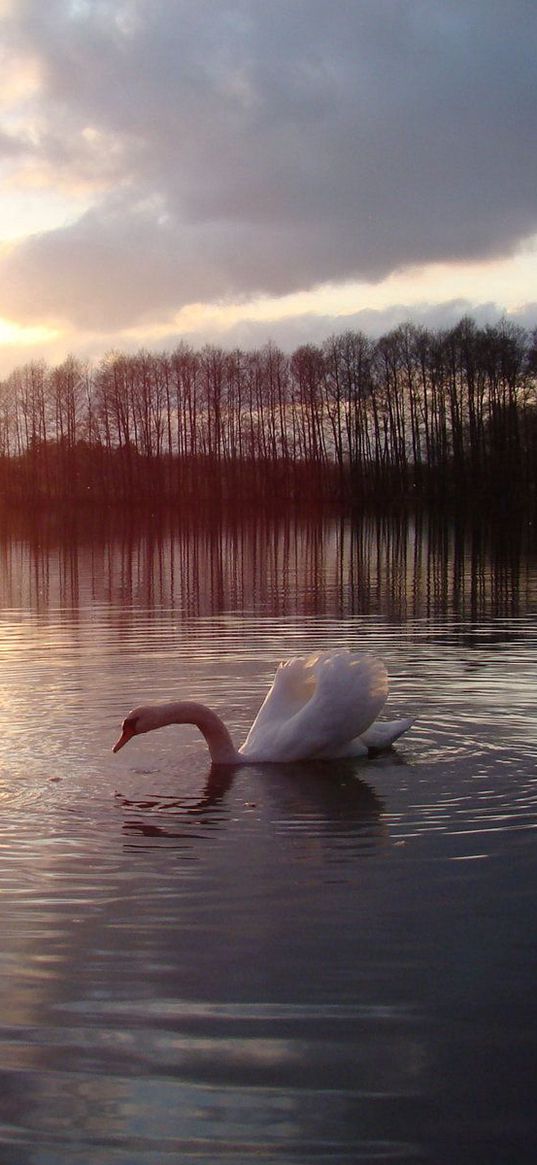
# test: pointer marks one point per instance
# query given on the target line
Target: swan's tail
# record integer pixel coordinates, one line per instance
(383, 734)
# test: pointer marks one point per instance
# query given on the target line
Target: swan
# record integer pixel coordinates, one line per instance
(320, 707)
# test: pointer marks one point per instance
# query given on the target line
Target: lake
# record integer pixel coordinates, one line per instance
(287, 964)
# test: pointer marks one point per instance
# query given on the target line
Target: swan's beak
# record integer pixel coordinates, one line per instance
(126, 734)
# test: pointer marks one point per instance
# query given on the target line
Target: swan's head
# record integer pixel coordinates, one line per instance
(140, 720)
(132, 725)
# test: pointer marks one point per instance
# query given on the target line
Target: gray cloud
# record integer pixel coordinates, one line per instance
(259, 147)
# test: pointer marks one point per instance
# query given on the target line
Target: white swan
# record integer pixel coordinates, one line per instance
(318, 708)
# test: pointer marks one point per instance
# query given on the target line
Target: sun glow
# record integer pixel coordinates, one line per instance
(20, 81)
(15, 334)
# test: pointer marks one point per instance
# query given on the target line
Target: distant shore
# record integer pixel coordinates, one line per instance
(441, 418)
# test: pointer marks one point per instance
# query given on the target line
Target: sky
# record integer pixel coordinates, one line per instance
(238, 171)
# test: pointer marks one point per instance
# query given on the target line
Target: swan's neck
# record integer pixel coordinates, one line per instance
(220, 744)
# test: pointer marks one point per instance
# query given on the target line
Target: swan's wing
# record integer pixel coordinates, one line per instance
(321, 705)
(292, 687)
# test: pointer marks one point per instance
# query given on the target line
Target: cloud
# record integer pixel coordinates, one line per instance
(287, 332)
(290, 332)
(241, 147)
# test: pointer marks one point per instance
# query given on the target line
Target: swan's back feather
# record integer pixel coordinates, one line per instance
(317, 706)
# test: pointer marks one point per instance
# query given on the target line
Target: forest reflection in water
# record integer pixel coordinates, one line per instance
(405, 566)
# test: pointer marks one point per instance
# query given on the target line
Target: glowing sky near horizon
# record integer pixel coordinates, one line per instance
(249, 171)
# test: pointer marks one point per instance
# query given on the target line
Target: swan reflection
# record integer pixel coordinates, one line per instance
(304, 800)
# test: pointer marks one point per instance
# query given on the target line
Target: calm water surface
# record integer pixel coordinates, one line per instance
(308, 963)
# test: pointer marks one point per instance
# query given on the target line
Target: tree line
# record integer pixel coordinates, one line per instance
(419, 413)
